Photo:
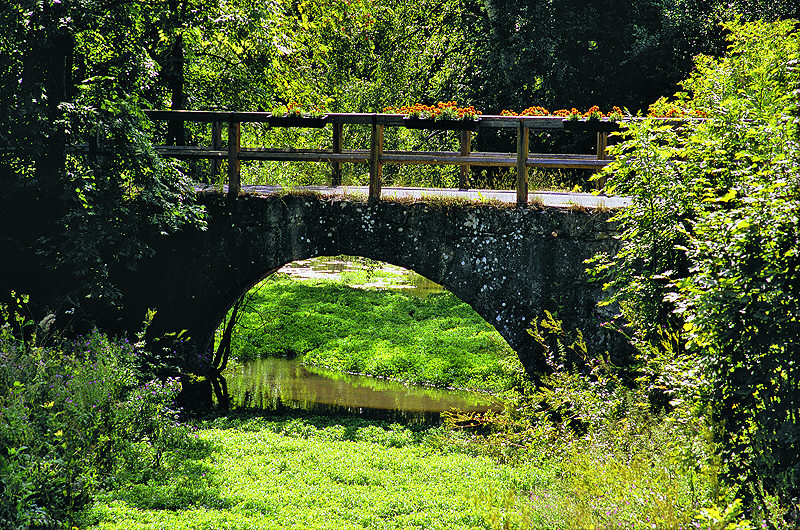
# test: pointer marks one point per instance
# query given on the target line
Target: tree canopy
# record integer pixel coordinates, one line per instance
(708, 272)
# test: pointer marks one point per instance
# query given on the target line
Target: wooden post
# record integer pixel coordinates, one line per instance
(522, 164)
(602, 144)
(216, 145)
(375, 166)
(338, 133)
(234, 176)
(466, 149)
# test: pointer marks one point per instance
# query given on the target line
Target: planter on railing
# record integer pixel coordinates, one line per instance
(442, 125)
(297, 121)
(591, 125)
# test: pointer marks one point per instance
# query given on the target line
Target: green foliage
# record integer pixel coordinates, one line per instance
(503, 509)
(120, 205)
(71, 76)
(710, 246)
(436, 340)
(76, 422)
(629, 467)
(620, 460)
(590, 52)
(341, 472)
(359, 56)
(324, 473)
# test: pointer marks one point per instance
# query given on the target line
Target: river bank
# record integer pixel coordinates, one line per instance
(576, 451)
(106, 450)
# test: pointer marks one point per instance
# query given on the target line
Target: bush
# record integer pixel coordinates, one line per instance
(711, 252)
(77, 419)
(616, 460)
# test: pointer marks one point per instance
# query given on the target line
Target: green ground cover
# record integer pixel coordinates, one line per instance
(577, 451)
(352, 473)
(437, 340)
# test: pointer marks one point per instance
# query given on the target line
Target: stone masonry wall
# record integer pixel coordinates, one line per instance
(508, 263)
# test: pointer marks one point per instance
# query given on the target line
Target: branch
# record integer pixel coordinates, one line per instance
(220, 57)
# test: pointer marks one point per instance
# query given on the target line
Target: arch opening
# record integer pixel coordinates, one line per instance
(342, 318)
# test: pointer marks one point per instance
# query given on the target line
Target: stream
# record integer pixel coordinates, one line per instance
(278, 384)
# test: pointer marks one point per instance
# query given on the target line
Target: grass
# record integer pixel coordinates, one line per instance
(295, 474)
(450, 201)
(344, 472)
(436, 340)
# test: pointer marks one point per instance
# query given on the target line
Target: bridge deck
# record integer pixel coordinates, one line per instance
(554, 199)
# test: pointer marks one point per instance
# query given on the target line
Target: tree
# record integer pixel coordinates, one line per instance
(71, 219)
(710, 250)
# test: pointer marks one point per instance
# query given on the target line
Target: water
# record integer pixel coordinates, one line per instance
(279, 384)
(276, 384)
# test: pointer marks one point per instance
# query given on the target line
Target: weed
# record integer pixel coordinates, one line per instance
(77, 420)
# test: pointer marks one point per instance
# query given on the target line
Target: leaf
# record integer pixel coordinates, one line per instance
(725, 198)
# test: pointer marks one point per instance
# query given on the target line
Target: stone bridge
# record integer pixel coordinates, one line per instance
(509, 263)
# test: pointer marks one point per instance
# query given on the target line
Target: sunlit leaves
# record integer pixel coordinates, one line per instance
(720, 213)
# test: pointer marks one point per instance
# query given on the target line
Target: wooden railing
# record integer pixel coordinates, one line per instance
(376, 156)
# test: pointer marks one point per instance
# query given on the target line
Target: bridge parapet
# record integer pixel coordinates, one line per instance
(377, 156)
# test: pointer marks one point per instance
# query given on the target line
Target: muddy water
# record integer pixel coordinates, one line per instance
(277, 384)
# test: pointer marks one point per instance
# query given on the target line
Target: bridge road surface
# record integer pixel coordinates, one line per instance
(553, 199)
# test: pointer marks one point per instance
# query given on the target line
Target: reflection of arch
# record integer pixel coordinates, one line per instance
(509, 264)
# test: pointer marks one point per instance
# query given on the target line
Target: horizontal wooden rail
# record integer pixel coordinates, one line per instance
(376, 155)
(436, 158)
(389, 120)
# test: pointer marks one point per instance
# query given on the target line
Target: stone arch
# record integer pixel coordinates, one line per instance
(507, 263)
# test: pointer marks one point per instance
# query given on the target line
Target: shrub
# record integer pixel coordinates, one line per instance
(75, 422)
(710, 252)
(616, 460)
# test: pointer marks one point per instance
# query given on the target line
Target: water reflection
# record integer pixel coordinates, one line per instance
(279, 384)
(274, 384)
(361, 272)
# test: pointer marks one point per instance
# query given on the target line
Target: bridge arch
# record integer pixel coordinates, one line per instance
(377, 320)
(507, 263)
(454, 287)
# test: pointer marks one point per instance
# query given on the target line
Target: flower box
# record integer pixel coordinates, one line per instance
(442, 125)
(591, 125)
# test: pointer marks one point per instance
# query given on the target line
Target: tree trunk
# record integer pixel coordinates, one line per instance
(175, 85)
